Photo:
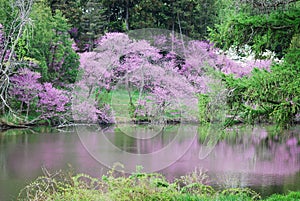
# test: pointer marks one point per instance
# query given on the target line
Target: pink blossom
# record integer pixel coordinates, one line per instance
(52, 101)
(25, 85)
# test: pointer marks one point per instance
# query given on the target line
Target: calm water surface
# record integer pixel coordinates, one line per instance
(241, 157)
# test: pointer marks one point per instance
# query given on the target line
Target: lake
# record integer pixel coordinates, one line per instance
(243, 156)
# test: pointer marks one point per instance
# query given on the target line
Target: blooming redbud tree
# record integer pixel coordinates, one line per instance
(52, 102)
(165, 72)
(25, 88)
(135, 66)
(48, 101)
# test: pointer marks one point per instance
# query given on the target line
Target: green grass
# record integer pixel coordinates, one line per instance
(291, 196)
(120, 103)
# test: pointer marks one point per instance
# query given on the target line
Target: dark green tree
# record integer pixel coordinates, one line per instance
(93, 23)
(262, 26)
(189, 17)
(51, 47)
(264, 96)
(71, 10)
(119, 14)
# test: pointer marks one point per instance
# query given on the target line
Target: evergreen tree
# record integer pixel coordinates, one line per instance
(189, 17)
(264, 27)
(71, 10)
(93, 23)
(51, 47)
(119, 13)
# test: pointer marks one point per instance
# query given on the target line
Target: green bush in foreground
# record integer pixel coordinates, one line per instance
(138, 186)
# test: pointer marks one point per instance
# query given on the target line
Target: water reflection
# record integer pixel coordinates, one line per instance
(154, 153)
(238, 158)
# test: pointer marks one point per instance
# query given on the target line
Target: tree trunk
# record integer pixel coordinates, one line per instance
(127, 16)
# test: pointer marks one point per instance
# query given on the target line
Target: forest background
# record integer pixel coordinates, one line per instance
(46, 44)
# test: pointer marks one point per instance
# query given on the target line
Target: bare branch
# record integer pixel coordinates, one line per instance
(21, 19)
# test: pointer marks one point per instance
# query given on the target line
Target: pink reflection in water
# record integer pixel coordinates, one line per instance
(250, 160)
(292, 141)
(253, 161)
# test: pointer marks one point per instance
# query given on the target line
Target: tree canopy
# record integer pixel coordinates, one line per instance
(267, 25)
(47, 45)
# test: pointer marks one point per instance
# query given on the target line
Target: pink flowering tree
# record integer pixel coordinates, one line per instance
(97, 75)
(21, 56)
(199, 56)
(162, 76)
(52, 102)
(134, 66)
(25, 88)
(203, 65)
(162, 80)
(33, 96)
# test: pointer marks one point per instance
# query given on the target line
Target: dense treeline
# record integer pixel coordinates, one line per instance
(268, 25)
(45, 44)
(92, 18)
(265, 96)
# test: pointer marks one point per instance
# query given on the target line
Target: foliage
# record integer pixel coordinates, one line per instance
(6, 17)
(25, 85)
(137, 186)
(25, 88)
(267, 96)
(35, 49)
(51, 46)
(197, 189)
(94, 17)
(272, 31)
(48, 101)
(15, 18)
(52, 101)
(71, 10)
(92, 24)
(198, 176)
(64, 186)
(291, 196)
(190, 18)
(168, 73)
(121, 61)
(167, 81)
(242, 192)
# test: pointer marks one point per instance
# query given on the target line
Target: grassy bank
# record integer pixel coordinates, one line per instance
(137, 186)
